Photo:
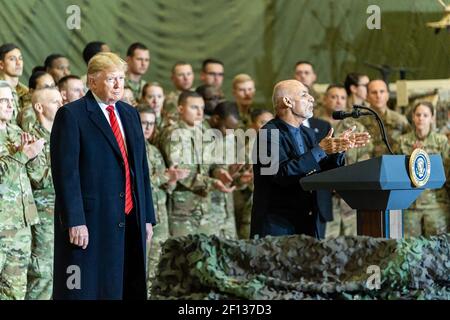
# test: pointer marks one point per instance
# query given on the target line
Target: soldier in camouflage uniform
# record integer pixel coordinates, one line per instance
(244, 93)
(138, 60)
(394, 123)
(17, 208)
(304, 72)
(11, 68)
(181, 144)
(27, 116)
(430, 213)
(344, 217)
(225, 117)
(182, 79)
(243, 177)
(212, 96)
(40, 270)
(446, 127)
(163, 181)
(153, 96)
(356, 87)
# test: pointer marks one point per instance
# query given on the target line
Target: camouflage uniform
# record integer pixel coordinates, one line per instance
(17, 213)
(245, 119)
(243, 194)
(222, 204)
(190, 202)
(170, 109)
(395, 125)
(40, 269)
(159, 180)
(19, 92)
(446, 130)
(136, 87)
(27, 117)
(430, 213)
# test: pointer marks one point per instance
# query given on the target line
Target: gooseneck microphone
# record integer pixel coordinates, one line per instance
(356, 113)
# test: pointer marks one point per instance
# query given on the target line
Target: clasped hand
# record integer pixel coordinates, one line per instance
(345, 141)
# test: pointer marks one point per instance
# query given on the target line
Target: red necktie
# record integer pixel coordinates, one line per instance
(118, 134)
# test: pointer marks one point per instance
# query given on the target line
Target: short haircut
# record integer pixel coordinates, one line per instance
(91, 49)
(186, 95)
(64, 80)
(240, 78)
(5, 48)
(257, 112)
(387, 86)
(427, 104)
(225, 109)
(304, 62)
(37, 94)
(179, 63)
(208, 61)
(352, 79)
(135, 46)
(144, 108)
(333, 86)
(105, 60)
(203, 89)
(48, 63)
(38, 68)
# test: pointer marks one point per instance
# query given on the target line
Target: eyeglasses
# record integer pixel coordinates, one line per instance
(215, 74)
(147, 124)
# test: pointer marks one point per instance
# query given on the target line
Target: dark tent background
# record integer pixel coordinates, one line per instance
(263, 38)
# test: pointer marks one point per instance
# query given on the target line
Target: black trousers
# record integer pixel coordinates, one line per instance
(134, 282)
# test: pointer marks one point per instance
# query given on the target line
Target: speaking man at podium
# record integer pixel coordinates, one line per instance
(280, 205)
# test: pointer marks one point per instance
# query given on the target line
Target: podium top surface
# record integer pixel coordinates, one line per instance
(387, 172)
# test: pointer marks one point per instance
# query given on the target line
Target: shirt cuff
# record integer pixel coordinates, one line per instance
(318, 154)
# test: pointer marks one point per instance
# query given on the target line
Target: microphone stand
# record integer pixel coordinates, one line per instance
(380, 124)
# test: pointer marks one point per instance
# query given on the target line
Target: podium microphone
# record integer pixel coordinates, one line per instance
(356, 113)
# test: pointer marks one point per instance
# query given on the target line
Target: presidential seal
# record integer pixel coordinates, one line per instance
(419, 167)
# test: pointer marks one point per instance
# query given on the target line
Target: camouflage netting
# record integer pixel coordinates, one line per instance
(300, 267)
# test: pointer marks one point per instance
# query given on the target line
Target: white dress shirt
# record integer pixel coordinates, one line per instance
(103, 106)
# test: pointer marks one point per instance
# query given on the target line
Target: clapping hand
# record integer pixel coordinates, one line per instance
(30, 146)
(174, 173)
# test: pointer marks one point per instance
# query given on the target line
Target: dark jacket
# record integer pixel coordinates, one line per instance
(280, 205)
(89, 178)
(321, 129)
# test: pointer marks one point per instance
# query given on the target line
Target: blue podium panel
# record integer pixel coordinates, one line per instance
(380, 183)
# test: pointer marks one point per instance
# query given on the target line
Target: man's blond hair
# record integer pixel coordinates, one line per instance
(104, 61)
(241, 78)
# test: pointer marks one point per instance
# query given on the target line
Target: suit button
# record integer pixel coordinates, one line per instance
(310, 213)
(121, 225)
(122, 194)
